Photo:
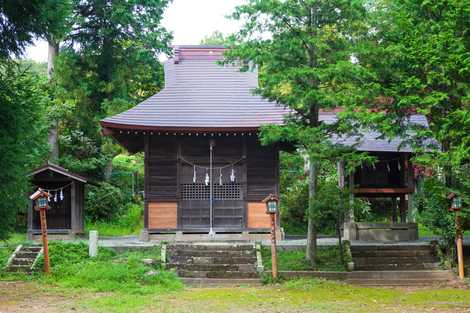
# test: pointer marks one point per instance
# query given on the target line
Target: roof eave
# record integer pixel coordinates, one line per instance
(109, 127)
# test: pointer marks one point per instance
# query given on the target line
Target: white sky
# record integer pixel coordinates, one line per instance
(189, 20)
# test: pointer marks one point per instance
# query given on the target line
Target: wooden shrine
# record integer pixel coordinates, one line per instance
(65, 216)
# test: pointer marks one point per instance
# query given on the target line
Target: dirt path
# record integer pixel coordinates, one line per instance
(32, 298)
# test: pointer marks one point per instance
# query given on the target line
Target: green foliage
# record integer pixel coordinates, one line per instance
(419, 53)
(72, 268)
(103, 202)
(128, 222)
(433, 211)
(294, 194)
(216, 38)
(22, 22)
(328, 259)
(22, 137)
(128, 173)
(112, 47)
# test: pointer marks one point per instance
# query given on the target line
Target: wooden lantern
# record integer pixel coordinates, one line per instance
(41, 204)
(456, 206)
(272, 207)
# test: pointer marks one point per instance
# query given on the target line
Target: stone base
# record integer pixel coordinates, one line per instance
(52, 235)
(383, 232)
(242, 236)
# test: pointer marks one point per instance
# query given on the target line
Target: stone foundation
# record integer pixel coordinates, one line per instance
(384, 232)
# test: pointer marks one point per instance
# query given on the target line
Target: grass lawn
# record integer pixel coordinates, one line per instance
(327, 259)
(121, 283)
(303, 295)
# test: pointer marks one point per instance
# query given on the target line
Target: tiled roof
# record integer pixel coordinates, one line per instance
(58, 169)
(199, 93)
(202, 95)
(371, 141)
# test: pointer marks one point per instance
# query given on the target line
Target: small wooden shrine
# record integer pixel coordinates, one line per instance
(205, 170)
(66, 201)
(388, 184)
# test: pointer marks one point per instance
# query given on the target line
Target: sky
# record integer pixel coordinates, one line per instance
(189, 20)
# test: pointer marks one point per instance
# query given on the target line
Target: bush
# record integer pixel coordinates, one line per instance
(103, 202)
(72, 268)
(130, 222)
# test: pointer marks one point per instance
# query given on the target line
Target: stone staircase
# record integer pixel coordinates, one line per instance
(399, 278)
(213, 264)
(23, 259)
(394, 257)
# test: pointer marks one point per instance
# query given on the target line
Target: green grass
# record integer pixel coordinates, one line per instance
(131, 223)
(301, 295)
(327, 260)
(73, 268)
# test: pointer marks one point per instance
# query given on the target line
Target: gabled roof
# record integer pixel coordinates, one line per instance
(200, 94)
(58, 169)
(370, 140)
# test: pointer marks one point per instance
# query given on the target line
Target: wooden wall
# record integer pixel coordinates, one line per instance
(164, 172)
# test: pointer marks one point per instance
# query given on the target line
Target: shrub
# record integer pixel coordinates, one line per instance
(103, 202)
(72, 268)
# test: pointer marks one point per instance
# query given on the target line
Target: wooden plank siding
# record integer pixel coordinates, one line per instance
(262, 171)
(166, 174)
(257, 216)
(163, 215)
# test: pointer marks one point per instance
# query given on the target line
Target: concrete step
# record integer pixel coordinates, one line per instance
(245, 268)
(216, 274)
(397, 266)
(398, 246)
(394, 282)
(19, 268)
(220, 282)
(31, 249)
(212, 260)
(392, 253)
(22, 261)
(210, 247)
(391, 260)
(389, 275)
(214, 253)
(26, 255)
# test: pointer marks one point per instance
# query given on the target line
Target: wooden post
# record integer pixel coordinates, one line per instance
(458, 227)
(273, 246)
(403, 207)
(45, 243)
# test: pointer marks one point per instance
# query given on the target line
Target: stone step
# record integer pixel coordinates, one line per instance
(19, 268)
(31, 249)
(221, 282)
(397, 266)
(22, 261)
(210, 247)
(244, 268)
(399, 246)
(212, 260)
(215, 253)
(392, 253)
(216, 274)
(394, 282)
(26, 255)
(392, 260)
(389, 275)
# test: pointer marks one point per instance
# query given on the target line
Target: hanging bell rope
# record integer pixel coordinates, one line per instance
(207, 167)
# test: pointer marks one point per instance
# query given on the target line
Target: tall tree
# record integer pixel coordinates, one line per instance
(113, 48)
(420, 53)
(303, 49)
(23, 100)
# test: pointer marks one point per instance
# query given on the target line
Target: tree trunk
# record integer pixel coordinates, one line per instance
(108, 169)
(312, 231)
(53, 138)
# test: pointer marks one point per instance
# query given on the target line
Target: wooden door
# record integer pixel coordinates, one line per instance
(228, 205)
